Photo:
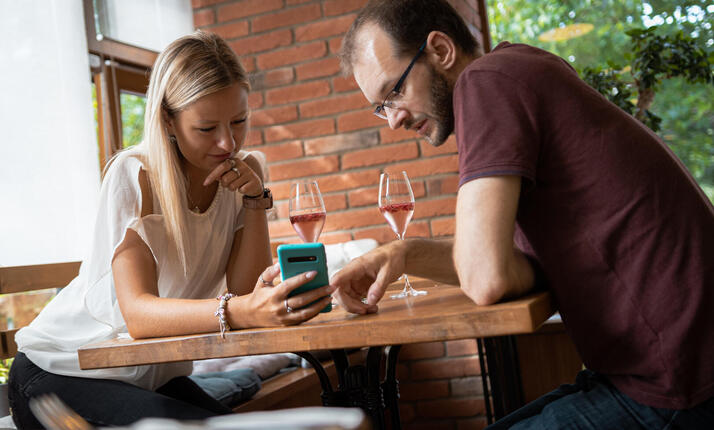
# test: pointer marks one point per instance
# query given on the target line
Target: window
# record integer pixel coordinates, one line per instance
(123, 38)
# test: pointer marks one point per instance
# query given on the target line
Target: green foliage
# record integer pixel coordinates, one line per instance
(685, 111)
(132, 118)
(657, 57)
(5, 370)
(610, 83)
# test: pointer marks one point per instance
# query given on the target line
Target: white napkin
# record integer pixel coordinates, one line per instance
(313, 418)
(339, 254)
(6, 423)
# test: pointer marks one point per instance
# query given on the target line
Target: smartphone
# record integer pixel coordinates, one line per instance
(303, 257)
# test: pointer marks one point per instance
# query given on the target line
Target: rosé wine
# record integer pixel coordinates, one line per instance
(308, 226)
(398, 216)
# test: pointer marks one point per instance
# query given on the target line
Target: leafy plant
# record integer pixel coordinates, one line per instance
(609, 82)
(654, 58)
(5, 370)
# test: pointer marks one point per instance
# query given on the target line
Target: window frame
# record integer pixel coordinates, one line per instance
(120, 67)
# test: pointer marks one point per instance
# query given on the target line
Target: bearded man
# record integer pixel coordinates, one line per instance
(558, 188)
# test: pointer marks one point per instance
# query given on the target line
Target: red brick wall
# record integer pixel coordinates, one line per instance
(440, 386)
(311, 122)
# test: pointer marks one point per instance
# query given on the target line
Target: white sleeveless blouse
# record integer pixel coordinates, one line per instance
(87, 311)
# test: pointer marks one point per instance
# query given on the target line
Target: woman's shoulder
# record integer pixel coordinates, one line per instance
(125, 166)
(127, 172)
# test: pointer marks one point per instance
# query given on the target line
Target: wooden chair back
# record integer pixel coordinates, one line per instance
(19, 279)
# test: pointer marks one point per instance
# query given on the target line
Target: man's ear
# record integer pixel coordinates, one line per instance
(441, 51)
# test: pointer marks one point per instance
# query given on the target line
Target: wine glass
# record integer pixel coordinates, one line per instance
(396, 203)
(307, 210)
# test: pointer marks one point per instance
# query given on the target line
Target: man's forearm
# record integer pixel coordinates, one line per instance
(429, 258)
(522, 276)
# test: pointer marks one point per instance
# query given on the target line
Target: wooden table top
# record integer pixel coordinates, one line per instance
(443, 314)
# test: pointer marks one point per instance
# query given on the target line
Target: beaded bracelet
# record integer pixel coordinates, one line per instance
(221, 313)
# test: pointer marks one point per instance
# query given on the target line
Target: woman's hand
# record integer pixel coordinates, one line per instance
(268, 305)
(236, 174)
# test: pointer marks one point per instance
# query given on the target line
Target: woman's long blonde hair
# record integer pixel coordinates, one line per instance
(189, 68)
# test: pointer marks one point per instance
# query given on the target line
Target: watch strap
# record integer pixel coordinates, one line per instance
(263, 201)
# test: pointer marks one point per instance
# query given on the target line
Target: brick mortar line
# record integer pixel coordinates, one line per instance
(257, 15)
(379, 166)
(322, 135)
(427, 199)
(248, 18)
(361, 187)
(258, 69)
(325, 175)
(317, 78)
(297, 104)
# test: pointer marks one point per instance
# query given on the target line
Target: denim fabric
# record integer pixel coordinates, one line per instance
(230, 387)
(104, 402)
(592, 403)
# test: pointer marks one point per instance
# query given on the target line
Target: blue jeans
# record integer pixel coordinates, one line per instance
(105, 402)
(593, 403)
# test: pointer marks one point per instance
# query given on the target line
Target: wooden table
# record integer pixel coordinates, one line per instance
(443, 314)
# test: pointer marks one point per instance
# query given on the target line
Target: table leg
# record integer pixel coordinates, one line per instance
(504, 374)
(484, 380)
(360, 385)
(342, 362)
(390, 386)
(329, 396)
(374, 401)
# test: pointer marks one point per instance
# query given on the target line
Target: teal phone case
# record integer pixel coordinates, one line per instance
(300, 258)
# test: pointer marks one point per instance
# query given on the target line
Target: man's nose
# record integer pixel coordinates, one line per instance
(396, 117)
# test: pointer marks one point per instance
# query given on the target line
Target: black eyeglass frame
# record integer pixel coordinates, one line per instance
(380, 110)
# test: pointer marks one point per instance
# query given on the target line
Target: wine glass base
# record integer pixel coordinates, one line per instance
(408, 292)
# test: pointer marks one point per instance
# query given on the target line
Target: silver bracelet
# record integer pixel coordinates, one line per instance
(221, 313)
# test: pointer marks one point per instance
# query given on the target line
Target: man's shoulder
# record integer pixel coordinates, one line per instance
(520, 62)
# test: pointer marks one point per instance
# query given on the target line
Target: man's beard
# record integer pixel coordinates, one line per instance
(442, 108)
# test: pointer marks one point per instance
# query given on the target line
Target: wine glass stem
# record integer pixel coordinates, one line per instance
(407, 284)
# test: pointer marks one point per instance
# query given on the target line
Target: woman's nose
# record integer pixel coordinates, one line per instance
(226, 140)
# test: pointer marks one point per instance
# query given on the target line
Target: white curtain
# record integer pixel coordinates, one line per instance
(49, 169)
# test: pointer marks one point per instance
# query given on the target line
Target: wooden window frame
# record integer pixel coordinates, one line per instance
(121, 67)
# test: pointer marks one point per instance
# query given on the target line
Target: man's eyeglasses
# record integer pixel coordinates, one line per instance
(380, 110)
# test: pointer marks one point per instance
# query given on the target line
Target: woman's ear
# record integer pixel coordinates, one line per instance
(168, 122)
(441, 51)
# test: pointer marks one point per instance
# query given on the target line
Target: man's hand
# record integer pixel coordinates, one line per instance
(368, 276)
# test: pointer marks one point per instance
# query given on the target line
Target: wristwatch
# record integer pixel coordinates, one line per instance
(261, 201)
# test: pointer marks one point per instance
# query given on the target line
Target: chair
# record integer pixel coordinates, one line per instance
(20, 279)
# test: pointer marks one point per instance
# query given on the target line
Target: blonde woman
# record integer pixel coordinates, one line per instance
(181, 222)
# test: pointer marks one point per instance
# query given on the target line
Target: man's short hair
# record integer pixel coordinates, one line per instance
(408, 22)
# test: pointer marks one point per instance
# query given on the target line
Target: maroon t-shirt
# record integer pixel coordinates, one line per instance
(623, 234)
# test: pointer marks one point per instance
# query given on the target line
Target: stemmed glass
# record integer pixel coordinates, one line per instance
(396, 203)
(307, 210)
